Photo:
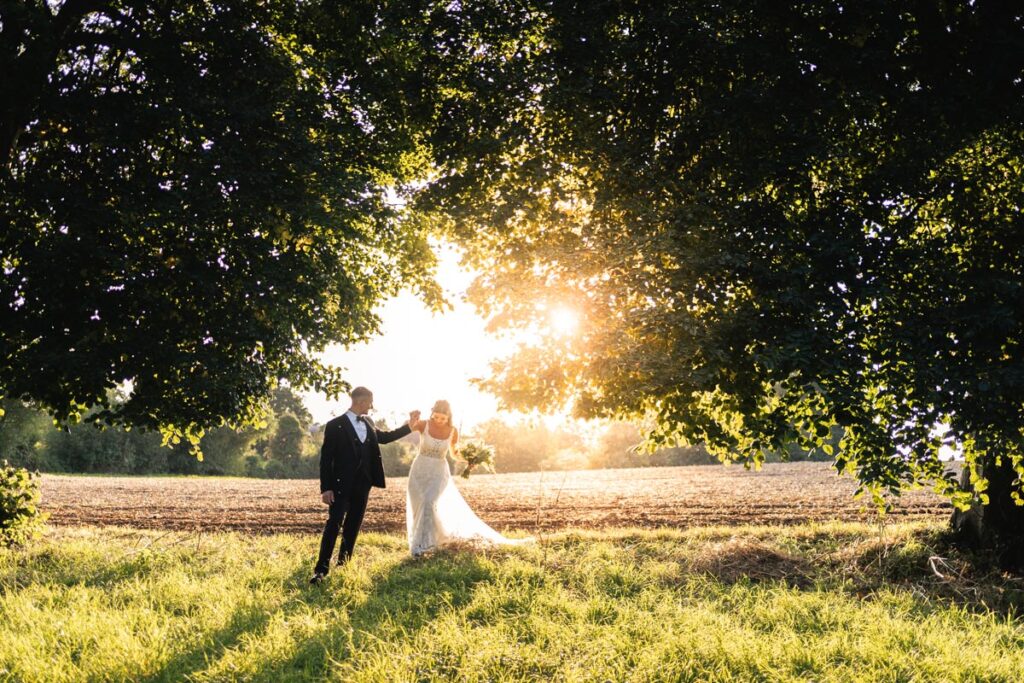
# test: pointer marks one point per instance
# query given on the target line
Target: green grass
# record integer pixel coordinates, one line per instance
(832, 602)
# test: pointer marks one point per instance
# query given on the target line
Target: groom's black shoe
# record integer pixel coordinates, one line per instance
(318, 578)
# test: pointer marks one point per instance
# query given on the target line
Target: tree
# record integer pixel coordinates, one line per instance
(619, 445)
(396, 456)
(28, 438)
(284, 400)
(776, 220)
(530, 445)
(225, 450)
(87, 448)
(196, 197)
(22, 431)
(286, 444)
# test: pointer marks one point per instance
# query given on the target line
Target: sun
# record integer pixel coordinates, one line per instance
(563, 320)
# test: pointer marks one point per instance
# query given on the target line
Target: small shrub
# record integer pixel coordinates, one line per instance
(275, 469)
(21, 520)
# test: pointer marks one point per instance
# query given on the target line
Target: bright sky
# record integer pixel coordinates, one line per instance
(421, 357)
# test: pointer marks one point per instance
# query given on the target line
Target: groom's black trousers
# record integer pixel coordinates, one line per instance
(346, 514)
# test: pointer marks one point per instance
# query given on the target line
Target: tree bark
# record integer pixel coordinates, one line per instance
(996, 529)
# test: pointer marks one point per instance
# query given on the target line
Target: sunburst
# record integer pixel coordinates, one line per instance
(564, 321)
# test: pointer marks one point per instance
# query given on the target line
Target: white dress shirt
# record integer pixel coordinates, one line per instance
(359, 425)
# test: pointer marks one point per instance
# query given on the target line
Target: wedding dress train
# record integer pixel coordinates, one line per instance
(435, 511)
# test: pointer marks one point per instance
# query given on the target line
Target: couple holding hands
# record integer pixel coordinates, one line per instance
(350, 465)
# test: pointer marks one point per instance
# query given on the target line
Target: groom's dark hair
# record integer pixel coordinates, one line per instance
(360, 392)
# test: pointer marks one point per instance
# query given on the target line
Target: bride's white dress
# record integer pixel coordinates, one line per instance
(435, 511)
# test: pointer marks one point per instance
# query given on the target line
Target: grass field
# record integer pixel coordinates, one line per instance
(811, 602)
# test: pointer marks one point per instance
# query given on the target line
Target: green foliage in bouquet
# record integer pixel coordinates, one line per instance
(476, 455)
(20, 517)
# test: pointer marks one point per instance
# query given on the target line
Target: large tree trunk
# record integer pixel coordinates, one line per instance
(996, 529)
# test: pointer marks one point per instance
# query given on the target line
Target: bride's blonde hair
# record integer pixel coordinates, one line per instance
(443, 407)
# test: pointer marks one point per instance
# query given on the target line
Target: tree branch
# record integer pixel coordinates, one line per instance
(23, 90)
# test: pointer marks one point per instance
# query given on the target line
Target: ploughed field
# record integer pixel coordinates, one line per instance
(781, 493)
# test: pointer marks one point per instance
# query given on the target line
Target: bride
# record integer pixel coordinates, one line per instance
(435, 511)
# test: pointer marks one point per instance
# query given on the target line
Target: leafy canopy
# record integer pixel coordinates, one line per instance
(778, 220)
(197, 196)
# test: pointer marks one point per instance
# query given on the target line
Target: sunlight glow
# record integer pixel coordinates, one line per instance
(563, 320)
(421, 357)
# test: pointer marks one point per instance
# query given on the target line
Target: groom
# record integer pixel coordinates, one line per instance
(349, 465)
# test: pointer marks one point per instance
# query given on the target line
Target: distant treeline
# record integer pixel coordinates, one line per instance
(288, 447)
(530, 446)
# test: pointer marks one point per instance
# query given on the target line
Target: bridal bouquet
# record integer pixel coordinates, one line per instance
(476, 455)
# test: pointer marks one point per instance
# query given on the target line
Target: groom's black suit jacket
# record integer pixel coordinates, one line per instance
(339, 456)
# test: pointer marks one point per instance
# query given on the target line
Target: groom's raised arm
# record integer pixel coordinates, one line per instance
(327, 452)
(393, 435)
(396, 434)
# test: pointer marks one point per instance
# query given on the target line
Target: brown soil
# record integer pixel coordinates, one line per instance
(652, 497)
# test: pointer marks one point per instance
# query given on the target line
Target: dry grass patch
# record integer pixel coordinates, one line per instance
(738, 559)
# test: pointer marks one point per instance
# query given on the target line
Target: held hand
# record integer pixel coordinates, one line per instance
(328, 497)
(414, 417)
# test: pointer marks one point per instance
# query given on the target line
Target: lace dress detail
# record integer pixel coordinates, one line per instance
(434, 448)
(435, 511)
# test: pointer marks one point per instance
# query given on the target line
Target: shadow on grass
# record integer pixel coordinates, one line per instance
(404, 599)
(379, 600)
(925, 564)
(55, 567)
(931, 566)
(736, 560)
(411, 595)
(251, 619)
